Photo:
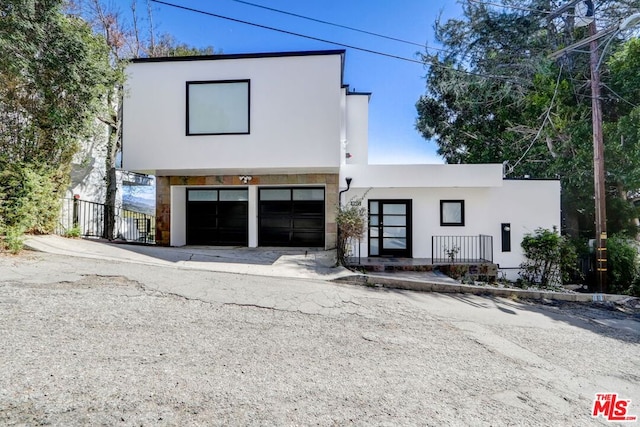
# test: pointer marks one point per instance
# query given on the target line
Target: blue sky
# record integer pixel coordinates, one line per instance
(395, 84)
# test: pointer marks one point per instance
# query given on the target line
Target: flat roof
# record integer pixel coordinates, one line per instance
(223, 56)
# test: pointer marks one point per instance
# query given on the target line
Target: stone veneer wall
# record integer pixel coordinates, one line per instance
(163, 197)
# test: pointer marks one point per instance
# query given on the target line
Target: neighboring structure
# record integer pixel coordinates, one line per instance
(251, 150)
(87, 175)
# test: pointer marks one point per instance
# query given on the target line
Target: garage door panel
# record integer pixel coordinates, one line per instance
(275, 208)
(307, 239)
(308, 208)
(238, 222)
(277, 222)
(237, 237)
(291, 217)
(232, 208)
(201, 236)
(274, 237)
(217, 222)
(312, 223)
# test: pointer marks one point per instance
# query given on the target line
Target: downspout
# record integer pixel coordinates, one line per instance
(344, 191)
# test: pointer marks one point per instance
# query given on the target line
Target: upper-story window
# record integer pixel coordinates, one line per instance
(219, 107)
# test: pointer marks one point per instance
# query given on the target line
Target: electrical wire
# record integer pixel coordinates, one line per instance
(522, 8)
(266, 27)
(546, 118)
(333, 24)
(388, 55)
(619, 96)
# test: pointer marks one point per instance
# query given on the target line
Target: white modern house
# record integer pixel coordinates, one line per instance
(253, 150)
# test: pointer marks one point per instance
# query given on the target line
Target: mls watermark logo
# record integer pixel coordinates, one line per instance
(611, 408)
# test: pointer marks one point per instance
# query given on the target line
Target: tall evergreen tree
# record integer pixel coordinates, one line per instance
(493, 95)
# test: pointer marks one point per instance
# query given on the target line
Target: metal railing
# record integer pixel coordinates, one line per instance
(88, 219)
(461, 249)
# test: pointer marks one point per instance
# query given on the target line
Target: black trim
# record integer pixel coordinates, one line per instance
(346, 88)
(505, 231)
(199, 82)
(382, 252)
(531, 179)
(452, 224)
(222, 57)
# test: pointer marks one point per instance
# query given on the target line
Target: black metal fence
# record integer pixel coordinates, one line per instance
(89, 219)
(461, 249)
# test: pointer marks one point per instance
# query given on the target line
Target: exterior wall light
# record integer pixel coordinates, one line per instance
(245, 178)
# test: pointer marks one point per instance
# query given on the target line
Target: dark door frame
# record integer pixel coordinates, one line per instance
(389, 252)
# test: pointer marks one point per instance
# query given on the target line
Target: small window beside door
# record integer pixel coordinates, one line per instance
(452, 213)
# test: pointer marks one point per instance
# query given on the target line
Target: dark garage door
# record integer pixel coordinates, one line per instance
(291, 217)
(217, 217)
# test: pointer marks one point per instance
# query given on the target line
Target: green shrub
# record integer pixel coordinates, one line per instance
(73, 232)
(352, 224)
(551, 259)
(29, 200)
(13, 240)
(622, 266)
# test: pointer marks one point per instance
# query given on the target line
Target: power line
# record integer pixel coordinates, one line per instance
(388, 55)
(422, 45)
(331, 23)
(375, 52)
(544, 121)
(522, 8)
(619, 96)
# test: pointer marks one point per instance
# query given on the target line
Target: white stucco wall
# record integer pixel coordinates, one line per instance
(357, 130)
(452, 176)
(526, 205)
(295, 116)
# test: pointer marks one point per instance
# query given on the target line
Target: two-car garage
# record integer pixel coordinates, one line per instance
(286, 216)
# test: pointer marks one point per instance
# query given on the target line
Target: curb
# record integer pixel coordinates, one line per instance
(414, 285)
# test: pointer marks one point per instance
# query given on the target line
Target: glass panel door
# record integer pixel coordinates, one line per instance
(390, 228)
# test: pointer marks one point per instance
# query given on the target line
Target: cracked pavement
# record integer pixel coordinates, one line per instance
(96, 342)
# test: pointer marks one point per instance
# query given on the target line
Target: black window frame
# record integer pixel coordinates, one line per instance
(462, 214)
(202, 82)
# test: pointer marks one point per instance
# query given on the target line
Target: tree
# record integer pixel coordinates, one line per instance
(128, 36)
(622, 130)
(494, 96)
(53, 75)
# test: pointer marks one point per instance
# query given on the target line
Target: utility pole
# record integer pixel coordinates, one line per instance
(598, 140)
(598, 164)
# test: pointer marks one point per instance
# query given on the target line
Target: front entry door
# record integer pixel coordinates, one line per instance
(390, 228)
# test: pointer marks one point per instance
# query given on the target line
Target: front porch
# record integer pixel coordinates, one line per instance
(456, 256)
(472, 268)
